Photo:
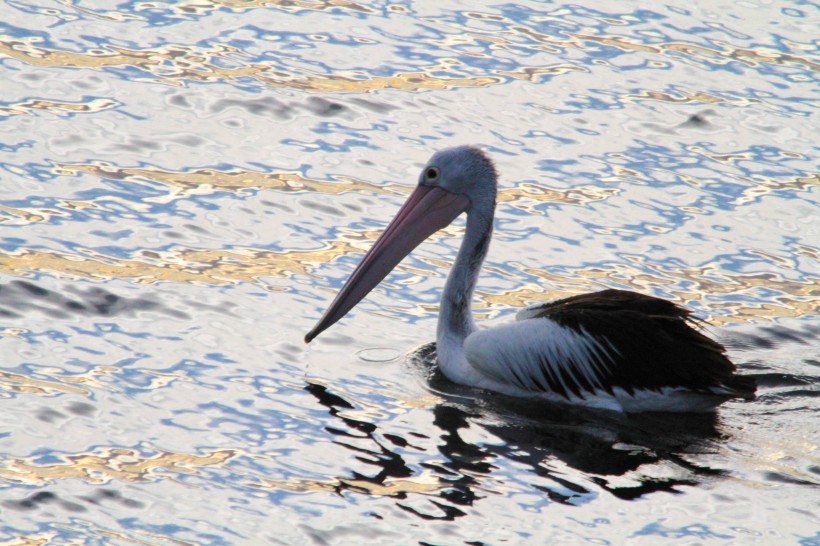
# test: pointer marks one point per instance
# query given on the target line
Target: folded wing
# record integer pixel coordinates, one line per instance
(596, 343)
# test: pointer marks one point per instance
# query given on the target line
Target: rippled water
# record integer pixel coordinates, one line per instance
(185, 185)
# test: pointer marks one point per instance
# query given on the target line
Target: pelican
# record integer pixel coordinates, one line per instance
(611, 349)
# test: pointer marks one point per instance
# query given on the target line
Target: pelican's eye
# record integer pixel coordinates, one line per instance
(431, 174)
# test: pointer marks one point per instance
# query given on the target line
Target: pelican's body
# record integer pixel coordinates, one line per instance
(612, 349)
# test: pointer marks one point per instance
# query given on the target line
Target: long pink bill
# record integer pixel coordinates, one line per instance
(427, 210)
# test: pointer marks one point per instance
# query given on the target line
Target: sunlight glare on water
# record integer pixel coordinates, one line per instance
(185, 185)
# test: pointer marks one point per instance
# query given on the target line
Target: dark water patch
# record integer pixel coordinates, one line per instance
(700, 120)
(180, 100)
(773, 337)
(142, 146)
(103, 496)
(774, 380)
(54, 415)
(81, 409)
(328, 210)
(779, 477)
(18, 298)
(800, 393)
(279, 206)
(46, 499)
(284, 110)
(323, 107)
(42, 499)
(49, 415)
(265, 107)
(375, 106)
(783, 334)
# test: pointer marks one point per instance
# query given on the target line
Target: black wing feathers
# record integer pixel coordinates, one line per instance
(653, 343)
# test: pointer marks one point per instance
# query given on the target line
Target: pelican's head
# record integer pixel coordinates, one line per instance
(455, 180)
(463, 170)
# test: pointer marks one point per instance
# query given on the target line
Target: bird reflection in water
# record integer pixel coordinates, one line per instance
(573, 456)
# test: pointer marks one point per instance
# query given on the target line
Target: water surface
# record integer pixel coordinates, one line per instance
(185, 185)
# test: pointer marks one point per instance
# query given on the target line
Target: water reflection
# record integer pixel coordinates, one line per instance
(571, 457)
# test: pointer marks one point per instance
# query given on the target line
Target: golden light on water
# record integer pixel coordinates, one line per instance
(108, 464)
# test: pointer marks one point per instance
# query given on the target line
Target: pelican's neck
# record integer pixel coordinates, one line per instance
(455, 318)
